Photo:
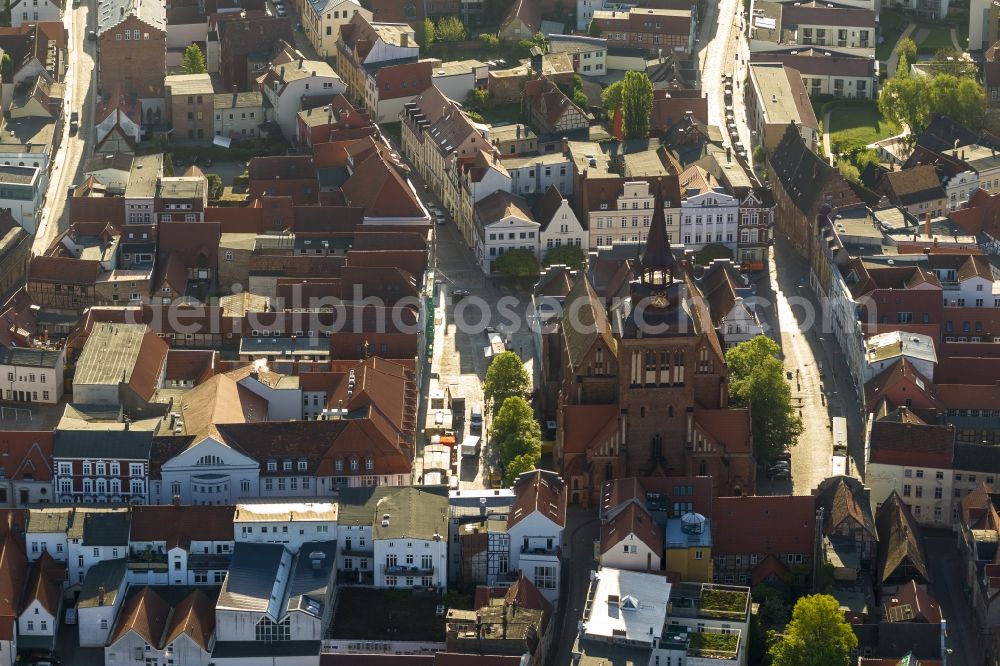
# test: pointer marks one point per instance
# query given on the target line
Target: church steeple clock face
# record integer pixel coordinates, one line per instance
(658, 299)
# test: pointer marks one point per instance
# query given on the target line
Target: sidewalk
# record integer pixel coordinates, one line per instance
(890, 64)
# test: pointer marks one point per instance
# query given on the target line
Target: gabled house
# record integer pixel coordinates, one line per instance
(550, 109)
(916, 191)
(980, 559)
(632, 540)
(150, 626)
(558, 225)
(41, 606)
(94, 536)
(289, 78)
(45, 10)
(847, 514)
(13, 574)
(324, 18)
(535, 526)
(120, 364)
(523, 21)
(118, 122)
(366, 44)
(27, 469)
(901, 556)
(725, 291)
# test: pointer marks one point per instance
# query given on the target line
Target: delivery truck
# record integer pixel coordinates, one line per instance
(470, 447)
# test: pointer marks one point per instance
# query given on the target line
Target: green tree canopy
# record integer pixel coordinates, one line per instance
(489, 40)
(757, 381)
(848, 171)
(521, 464)
(450, 30)
(907, 48)
(913, 101)
(865, 157)
(506, 377)
(593, 29)
(818, 635)
(637, 104)
(425, 35)
(570, 255)
(477, 99)
(193, 61)
(517, 263)
(514, 430)
(611, 96)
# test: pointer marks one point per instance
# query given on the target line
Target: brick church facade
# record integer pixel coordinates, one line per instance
(643, 382)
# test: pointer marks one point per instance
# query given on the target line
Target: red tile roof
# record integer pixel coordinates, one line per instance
(376, 186)
(912, 603)
(778, 524)
(195, 365)
(633, 521)
(13, 572)
(391, 79)
(45, 584)
(180, 525)
(193, 616)
(538, 491)
(27, 454)
(144, 613)
(912, 444)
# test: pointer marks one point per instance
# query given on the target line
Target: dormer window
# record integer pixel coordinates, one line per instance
(369, 464)
(354, 464)
(303, 464)
(272, 466)
(286, 465)
(339, 465)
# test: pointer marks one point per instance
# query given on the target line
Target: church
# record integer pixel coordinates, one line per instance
(642, 381)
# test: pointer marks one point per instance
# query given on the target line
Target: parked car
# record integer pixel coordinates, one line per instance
(476, 419)
(92, 36)
(74, 122)
(779, 470)
(460, 293)
(280, 11)
(71, 615)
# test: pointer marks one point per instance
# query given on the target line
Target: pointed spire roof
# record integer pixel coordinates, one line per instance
(658, 254)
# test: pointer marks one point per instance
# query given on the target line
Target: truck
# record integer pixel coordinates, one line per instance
(470, 446)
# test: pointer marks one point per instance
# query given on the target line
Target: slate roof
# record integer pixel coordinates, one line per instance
(107, 574)
(417, 513)
(803, 174)
(588, 322)
(252, 578)
(899, 540)
(108, 445)
(105, 528)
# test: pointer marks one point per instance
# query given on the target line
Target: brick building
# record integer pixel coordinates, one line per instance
(190, 105)
(651, 30)
(132, 43)
(643, 388)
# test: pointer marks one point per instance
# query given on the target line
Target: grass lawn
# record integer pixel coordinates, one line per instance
(891, 26)
(496, 114)
(938, 37)
(374, 614)
(724, 602)
(855, 125)
(713, 645)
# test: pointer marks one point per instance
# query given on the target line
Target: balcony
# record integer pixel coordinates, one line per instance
(540, 550)
(146, 560)
(407, 570)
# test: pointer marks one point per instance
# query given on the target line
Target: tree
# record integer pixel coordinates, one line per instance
(215, 185)
(193, 61)
(490, 41)
(848, 171)
(514, 430)
(913, 101)
(907, 48)
(517, 263)
(865, 157)
(951, 61)
(521, 464)
(593, 29)
(611, 96)
(818, 635)
(570, 255)
(580, 98)
(5, 63)
(757, 381)
(961, 98)
(759, 154)
(425, 35)
(772, 604)
(505, 378)
(477, 99)
(637, 103)
(450, 30)
(905, 99)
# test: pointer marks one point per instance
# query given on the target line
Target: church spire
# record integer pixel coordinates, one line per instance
(657, 255)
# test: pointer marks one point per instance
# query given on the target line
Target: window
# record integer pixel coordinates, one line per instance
(200, 577)
(545, 578)
(630, 548)
(268, 631)
(907, 490)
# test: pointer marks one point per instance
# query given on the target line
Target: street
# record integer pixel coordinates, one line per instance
(724, 51)
(822, 388)
(582, 529)
(947, 588)
(67, 163)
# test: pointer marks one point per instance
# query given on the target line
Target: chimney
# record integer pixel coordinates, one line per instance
(565, 145)
(176, 501)
(100, 595)
(927, 224)
(404, 40)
